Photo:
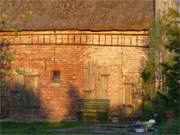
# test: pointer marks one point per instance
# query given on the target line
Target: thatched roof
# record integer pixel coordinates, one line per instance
(78, 14)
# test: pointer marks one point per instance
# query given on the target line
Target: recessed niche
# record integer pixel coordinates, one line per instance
(56, 75)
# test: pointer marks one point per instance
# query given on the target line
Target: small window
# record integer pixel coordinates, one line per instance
(56, 76)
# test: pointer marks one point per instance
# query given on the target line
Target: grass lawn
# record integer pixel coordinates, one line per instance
(41, 128)
(38, 128)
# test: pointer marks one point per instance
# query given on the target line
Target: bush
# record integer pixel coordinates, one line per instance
(170, 128)
(148, 111)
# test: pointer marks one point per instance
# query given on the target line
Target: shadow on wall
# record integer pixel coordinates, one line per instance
(122, 111)
(25, 104)
(73, 98)
(6, 58)
(4, 100)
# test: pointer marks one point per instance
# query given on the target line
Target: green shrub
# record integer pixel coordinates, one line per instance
(148, 110)
(171, 127)
(149, 106)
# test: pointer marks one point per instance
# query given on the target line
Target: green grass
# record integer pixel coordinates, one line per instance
(42, 128)
(37, 128)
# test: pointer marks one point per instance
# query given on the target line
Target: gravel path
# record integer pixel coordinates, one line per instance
(100, 129)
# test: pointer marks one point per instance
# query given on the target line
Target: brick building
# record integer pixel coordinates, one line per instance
(77, 49)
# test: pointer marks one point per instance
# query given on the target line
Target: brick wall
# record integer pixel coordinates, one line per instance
(97, 65)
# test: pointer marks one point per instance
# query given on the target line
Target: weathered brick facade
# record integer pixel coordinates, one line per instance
(96, 65)
(71, 63)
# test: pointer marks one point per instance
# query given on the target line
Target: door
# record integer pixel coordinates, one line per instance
(130, 85)
(25, 98)
(102, 88)
(31, 97)
(96, 82)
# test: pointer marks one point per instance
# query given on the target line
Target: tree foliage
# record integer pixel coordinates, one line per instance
(164, 63)
(6, 57)
(171, 68)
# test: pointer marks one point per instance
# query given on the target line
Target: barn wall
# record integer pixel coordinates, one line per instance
(95, 65)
